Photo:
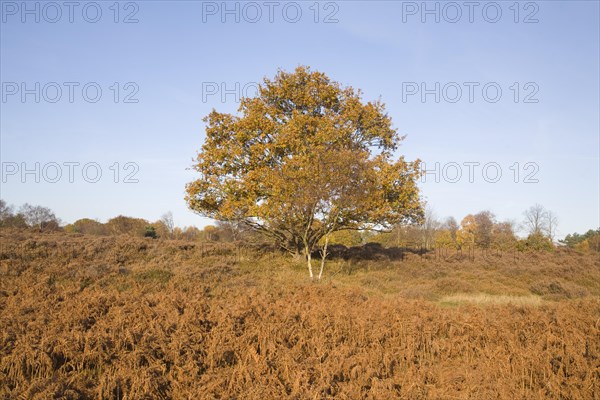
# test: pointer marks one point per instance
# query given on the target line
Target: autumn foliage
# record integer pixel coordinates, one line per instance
(304, 159)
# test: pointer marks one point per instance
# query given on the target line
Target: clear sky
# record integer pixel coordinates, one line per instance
(515, 83)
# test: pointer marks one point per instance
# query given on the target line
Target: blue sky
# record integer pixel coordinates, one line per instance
(546, 118)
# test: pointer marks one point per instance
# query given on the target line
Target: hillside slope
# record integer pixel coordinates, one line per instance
(124, 318)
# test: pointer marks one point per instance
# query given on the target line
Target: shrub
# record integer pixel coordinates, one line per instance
(150, 232)
(535, 241)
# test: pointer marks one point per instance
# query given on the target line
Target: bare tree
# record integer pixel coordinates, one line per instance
(429, 228)
(6, 211)
(232, 231)
(38, 216)
(551, 224)
(167, 220)
(452, 226)
(535, 222)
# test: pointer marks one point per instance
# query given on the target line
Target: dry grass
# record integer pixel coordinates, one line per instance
(488, 299)
(122, 318)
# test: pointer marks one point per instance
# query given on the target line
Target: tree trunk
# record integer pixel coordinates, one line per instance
(296, 255)
(323, 256)
(308, 261)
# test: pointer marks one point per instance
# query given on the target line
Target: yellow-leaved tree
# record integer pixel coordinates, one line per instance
(465, 236)
(304, 158)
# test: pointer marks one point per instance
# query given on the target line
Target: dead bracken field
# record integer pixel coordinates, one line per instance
(124, 318)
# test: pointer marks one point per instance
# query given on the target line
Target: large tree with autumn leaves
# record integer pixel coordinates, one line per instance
(304, 158)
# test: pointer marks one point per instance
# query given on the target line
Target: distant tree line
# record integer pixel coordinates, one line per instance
(480, 230)
(164, 228)
(483, 230)
(587, 241)
(28, 216)
(44, 220)
(161, 229)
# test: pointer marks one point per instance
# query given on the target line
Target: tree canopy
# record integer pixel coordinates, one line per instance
(304, 158)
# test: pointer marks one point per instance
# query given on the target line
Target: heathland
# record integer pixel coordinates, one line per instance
(118, 317)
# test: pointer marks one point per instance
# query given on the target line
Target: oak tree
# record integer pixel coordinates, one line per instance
(304, 158)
